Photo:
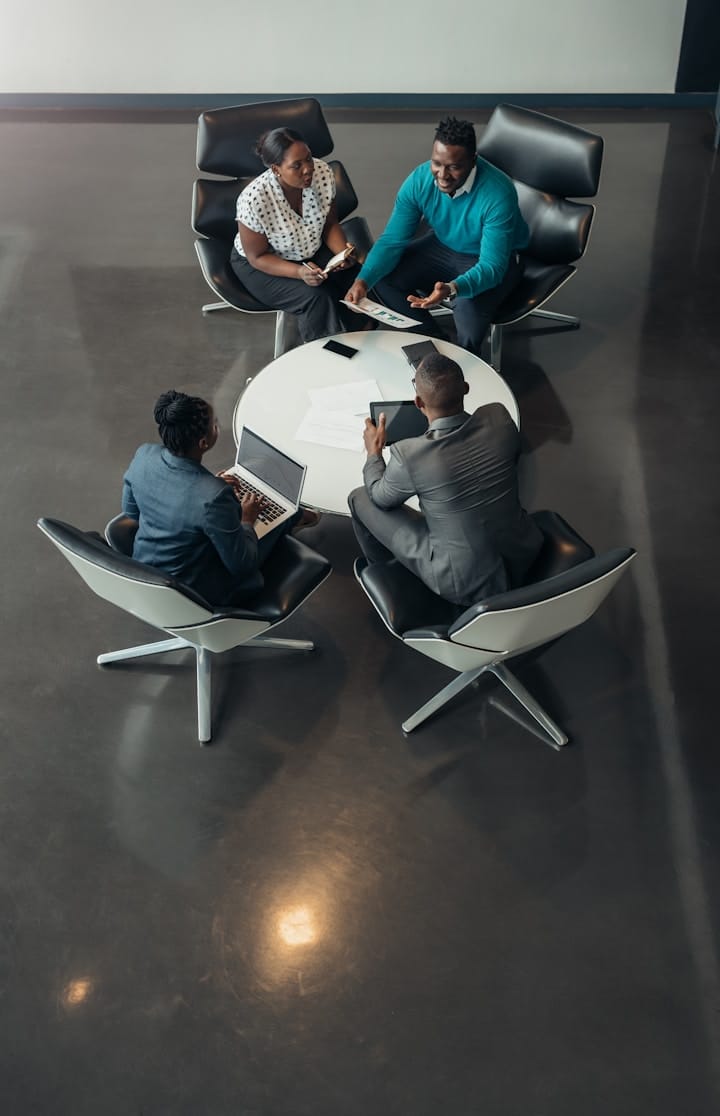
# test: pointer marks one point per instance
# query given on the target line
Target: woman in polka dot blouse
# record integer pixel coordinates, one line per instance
(288, 229)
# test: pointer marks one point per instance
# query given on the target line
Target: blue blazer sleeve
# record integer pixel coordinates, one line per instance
(235, 541)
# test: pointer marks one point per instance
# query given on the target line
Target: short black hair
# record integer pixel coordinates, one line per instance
(271, 146)
(440, 382)
(182, 420)
(457, 133)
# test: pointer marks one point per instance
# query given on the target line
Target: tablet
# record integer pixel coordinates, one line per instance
(416, 352)
(402, 419)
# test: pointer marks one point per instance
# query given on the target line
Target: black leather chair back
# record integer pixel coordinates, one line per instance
(543, 152)
(549, 162)
(559, 229)
(215, 200)
(226, 137)
(213, 207)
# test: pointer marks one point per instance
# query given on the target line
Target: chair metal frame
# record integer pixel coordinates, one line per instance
(220, 153)
(164, 603)
(499, 628)
(550, 162)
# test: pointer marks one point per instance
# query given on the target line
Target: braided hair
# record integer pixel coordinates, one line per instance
(182, 421)
(452, 132)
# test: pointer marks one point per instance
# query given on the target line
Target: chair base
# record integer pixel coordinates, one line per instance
(209, 306)
(496, 332)
(281, 324)
(568, 319)
(556, 738)
(204, 667)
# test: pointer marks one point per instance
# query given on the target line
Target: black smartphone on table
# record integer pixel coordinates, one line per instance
(340, 349)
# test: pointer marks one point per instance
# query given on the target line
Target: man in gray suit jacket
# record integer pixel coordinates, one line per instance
(472, 538)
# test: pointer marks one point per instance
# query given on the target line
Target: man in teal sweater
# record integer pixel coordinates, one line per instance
(469, 255)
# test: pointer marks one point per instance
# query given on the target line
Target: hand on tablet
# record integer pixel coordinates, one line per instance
(374, 436)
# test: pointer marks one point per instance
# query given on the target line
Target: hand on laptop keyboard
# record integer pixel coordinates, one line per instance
(255, 505)
(251, 504)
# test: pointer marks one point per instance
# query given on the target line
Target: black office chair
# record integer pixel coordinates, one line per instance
(226, 139)
(292, 573)
(566, 584)
(550, 162)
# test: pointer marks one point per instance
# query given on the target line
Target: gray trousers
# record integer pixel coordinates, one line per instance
(402, 533)
(377, 529)
(317, 309)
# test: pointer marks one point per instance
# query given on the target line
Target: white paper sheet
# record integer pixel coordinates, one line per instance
(332, 428)
(352, 398)
(381, 313)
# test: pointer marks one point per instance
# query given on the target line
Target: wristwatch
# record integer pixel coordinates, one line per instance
(453, 288)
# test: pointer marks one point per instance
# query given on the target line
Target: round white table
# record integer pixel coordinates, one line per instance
(276, 401)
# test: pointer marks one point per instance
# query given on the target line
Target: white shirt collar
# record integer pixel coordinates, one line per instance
(467, 184)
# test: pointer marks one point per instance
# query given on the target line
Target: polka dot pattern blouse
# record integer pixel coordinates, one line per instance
(263, 207)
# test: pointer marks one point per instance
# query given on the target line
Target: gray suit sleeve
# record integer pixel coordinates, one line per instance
(388, 486)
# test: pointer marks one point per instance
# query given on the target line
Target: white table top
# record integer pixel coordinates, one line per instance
(275, 402)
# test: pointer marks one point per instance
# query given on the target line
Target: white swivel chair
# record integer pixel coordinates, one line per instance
(567, 583)
(292, 572)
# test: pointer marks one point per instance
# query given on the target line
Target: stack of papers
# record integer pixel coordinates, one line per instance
(337, 414)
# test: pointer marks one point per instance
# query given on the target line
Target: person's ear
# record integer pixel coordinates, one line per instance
(466, 388)
(419, 403)
(203, 444)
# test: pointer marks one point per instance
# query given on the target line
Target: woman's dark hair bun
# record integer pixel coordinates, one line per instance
(166, 409)
(182, 420)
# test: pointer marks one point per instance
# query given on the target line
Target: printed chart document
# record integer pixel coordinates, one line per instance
(332, 428)
(352, 398)
(337, 413)
(381, 313)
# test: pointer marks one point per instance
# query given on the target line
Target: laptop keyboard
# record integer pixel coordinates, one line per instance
(270, 511)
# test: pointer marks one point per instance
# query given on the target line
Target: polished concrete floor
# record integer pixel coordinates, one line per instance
(318, 916)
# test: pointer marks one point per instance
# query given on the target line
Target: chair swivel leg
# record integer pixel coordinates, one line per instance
(496, 341)
(557, 737)
(285, 644)
(143, 649)
(204, 693)
(281, 333)
(442, 698)
(569, 319)
(209, 306)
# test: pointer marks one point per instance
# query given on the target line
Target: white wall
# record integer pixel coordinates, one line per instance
(302, 46)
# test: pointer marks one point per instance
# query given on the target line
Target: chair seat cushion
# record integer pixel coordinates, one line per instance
(291, 573)
(562, 547)
(403, 601)
(214, 256)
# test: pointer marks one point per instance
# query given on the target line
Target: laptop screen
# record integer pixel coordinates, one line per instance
(270, 465)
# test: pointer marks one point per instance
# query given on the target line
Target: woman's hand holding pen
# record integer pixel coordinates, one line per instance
(311, 274)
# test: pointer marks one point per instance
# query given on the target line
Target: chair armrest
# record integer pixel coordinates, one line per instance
(562, 547)
(292, 572)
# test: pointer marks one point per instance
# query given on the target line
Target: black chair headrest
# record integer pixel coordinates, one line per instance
(543, 152)
(226, 137)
